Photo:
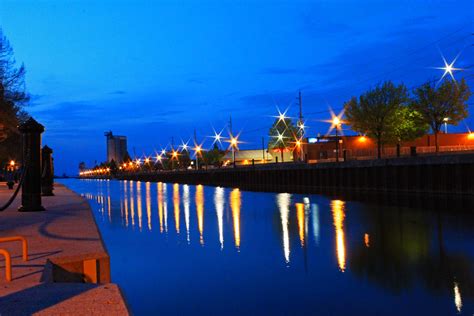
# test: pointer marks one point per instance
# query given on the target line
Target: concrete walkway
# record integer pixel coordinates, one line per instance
(65, 232)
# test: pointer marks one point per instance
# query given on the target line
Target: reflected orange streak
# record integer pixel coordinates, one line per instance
(235, 202)
(139, 204)
(132, 204)
(338, 214)
(148, 204)
(200, 210)
(300, 214)
(160, 204)
(125, 202)
(176, 205)
(367, 240)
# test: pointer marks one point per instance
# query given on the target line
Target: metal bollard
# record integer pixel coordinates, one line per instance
(47, 177)
(31, 132)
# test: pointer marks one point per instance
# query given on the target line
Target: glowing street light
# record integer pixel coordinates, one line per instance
(448, 68)
(184, 146)
(147, 160)
(281, 116)
(12, 163)
(234, 142)
(336, 122)
(445, 120)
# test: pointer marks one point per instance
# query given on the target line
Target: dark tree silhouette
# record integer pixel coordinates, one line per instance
(13, 97)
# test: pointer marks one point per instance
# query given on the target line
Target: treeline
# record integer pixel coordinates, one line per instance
(169, 160)
(13, 98)
(390, 115)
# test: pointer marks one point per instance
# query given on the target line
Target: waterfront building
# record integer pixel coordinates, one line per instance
(362, 147)
(116, 147)
(245, 157)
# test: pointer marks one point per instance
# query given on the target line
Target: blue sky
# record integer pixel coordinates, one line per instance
(156, 69)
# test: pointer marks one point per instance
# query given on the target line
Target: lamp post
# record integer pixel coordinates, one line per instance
(336, 122)
(445, 120)
(233, 143)
(197, 149)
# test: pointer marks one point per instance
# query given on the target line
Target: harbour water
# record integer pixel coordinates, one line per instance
(184, 249)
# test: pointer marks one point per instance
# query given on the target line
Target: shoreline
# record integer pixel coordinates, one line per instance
(68, 270)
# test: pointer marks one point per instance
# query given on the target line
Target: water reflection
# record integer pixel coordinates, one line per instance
(301, 222)
(219, 201)
(132, 203)
(315, 219)
(125, 202)
(283, 202)
(139, 204)
(186, 210)
(394, 250)
(199, 199)
(176, 205)
(148, 204)
(337, 208)
(235, 206)
(457, 297)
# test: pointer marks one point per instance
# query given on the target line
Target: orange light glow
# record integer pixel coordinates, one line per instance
(470, 136)
(12, 163)
(200, 211)
(235, 206)
(367, 240)
(338, 214)
(362, 139)
(176, 205)
(160, 204)
(301, 219)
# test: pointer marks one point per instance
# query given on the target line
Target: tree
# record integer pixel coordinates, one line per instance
(82, 166)
(283, 134)
(409, 125)
(214, 156)
(13, 97)
(374, 113)
(448, 101)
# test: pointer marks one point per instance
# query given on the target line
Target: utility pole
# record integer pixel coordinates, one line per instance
(195, 150)
(263, 149)
(232, 137)
(300, 126)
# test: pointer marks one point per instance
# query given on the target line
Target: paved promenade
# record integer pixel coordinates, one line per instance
(65, 231)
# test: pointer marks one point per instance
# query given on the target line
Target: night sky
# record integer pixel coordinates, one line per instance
(151, 70)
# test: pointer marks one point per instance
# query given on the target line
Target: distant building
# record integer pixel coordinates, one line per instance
(362, 147)
(116, 147)
(245, 157)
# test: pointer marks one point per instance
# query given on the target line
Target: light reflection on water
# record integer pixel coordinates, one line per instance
(311, 244)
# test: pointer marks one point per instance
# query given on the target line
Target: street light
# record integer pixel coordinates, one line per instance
(233, 144)
(336, 122)
(197, 151)
(445, 120)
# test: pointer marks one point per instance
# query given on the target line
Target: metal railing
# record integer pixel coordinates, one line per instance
(6, 254)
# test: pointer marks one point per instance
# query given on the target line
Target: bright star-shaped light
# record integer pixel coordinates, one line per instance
(233, 141)
(163, 152)
(448, 68)
(147, 160)
(217, 137)
(185, 146)
(281, 115)
(279, 136)
(301, 126)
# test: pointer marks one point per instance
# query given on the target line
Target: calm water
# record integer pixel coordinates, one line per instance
(183, 249)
